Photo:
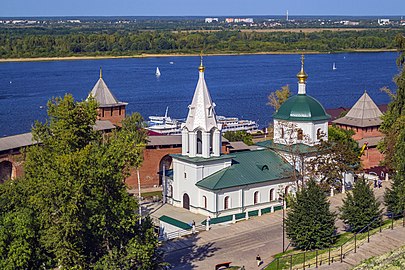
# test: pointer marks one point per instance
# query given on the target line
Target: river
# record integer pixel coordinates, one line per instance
(239, 85)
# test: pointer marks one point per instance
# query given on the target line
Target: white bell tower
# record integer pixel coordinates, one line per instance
(201, 134)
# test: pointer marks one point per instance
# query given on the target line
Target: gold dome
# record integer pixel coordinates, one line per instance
(302, 76)
(201, 68)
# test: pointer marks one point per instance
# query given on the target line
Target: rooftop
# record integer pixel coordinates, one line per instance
(248, 168)
(365, 113)
(102, 94)
(301, 107)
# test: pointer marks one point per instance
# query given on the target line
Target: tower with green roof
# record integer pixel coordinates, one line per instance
(301, 119)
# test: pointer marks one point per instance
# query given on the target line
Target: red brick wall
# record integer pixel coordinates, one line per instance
(371, 157)
(363, 132)
(150, 167)
(115, 117)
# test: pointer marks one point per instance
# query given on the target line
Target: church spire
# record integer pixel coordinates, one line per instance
(201, 133)
(302, 78)
(101, 73)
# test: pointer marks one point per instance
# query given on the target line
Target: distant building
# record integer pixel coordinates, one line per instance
(239, 20)
(211, 20)
(383, 21)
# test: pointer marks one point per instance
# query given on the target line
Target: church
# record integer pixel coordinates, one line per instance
(211, 183)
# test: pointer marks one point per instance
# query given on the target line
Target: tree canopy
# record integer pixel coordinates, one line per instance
(239, 136)
(310, 224)
(278, 97)
(360, 207)
(337, 155)
(393, 144)
(71, 209)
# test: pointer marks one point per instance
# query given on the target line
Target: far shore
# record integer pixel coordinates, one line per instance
(72, 58)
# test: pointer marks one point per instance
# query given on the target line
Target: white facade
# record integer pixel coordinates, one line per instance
(201, 157)
(287, 132)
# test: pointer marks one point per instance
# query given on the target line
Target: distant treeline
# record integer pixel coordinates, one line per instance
(48, 43)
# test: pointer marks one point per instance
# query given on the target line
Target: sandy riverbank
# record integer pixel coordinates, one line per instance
(72, 58)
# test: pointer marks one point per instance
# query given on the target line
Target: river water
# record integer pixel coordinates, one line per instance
(239, 85)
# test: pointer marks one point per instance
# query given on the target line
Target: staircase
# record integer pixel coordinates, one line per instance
(380, 243)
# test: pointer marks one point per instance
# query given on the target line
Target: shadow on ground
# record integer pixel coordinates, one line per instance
(182, 253)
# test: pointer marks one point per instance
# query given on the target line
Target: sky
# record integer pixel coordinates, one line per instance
(21, 8)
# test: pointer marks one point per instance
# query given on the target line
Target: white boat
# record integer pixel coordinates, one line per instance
(159, 120)
(235, 124)
(168, 126)
(334, 66)
(157, 72)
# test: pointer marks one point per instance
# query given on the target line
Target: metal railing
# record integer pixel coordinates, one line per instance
(336, 253)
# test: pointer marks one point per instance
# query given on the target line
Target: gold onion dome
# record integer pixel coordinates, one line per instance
(302, 76)
(201, 68)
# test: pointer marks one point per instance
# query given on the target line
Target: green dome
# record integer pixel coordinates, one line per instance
(301, 108)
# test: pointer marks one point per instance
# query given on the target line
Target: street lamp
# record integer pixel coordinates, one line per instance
(281, 199)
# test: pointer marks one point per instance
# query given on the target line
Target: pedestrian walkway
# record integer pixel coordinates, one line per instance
(239, 243)
(380, 243)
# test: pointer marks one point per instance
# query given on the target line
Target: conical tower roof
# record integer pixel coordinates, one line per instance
(102, 94)
(201, 110)
(364, 113)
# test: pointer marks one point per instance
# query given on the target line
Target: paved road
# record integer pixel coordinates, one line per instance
(238, 243)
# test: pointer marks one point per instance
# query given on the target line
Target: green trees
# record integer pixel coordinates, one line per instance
(238, 136)
(334, 157)
(310, 224)
(71, 209)
(277, 98)
(109, 40)
(393, 145)
(360, 207)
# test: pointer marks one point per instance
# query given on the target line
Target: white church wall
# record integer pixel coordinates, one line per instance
(290, 130)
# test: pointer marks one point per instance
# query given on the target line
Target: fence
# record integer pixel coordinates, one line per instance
(336, 253)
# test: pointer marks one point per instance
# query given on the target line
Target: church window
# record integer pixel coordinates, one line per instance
(209, 111)
(120, 112)
(199, 142)
(111, 111)
(319, 134)
(103, 112)
(272, 194)
(226, 203)
(185, 175)
(256, 197)
(300, 134)
(282, 133)
(205, 202)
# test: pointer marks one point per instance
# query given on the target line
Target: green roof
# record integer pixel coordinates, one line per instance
(201, 159)
(175, 222)
(296, 148)
(301, 108)
(250, 167)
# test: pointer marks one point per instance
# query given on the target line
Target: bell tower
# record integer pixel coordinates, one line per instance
(201, 134)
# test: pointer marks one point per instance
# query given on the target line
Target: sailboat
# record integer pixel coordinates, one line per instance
(157, 72)
(334, 66)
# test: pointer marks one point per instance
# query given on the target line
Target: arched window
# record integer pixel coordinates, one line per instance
(6, 171)
(319, 134)
(226, 203)
(199, 142)
(272, 194)
(256, 197)
(287, 189)
(282, 133)
(205, 202)
(300, 134)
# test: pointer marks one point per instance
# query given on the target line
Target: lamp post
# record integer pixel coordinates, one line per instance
(282, 199)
